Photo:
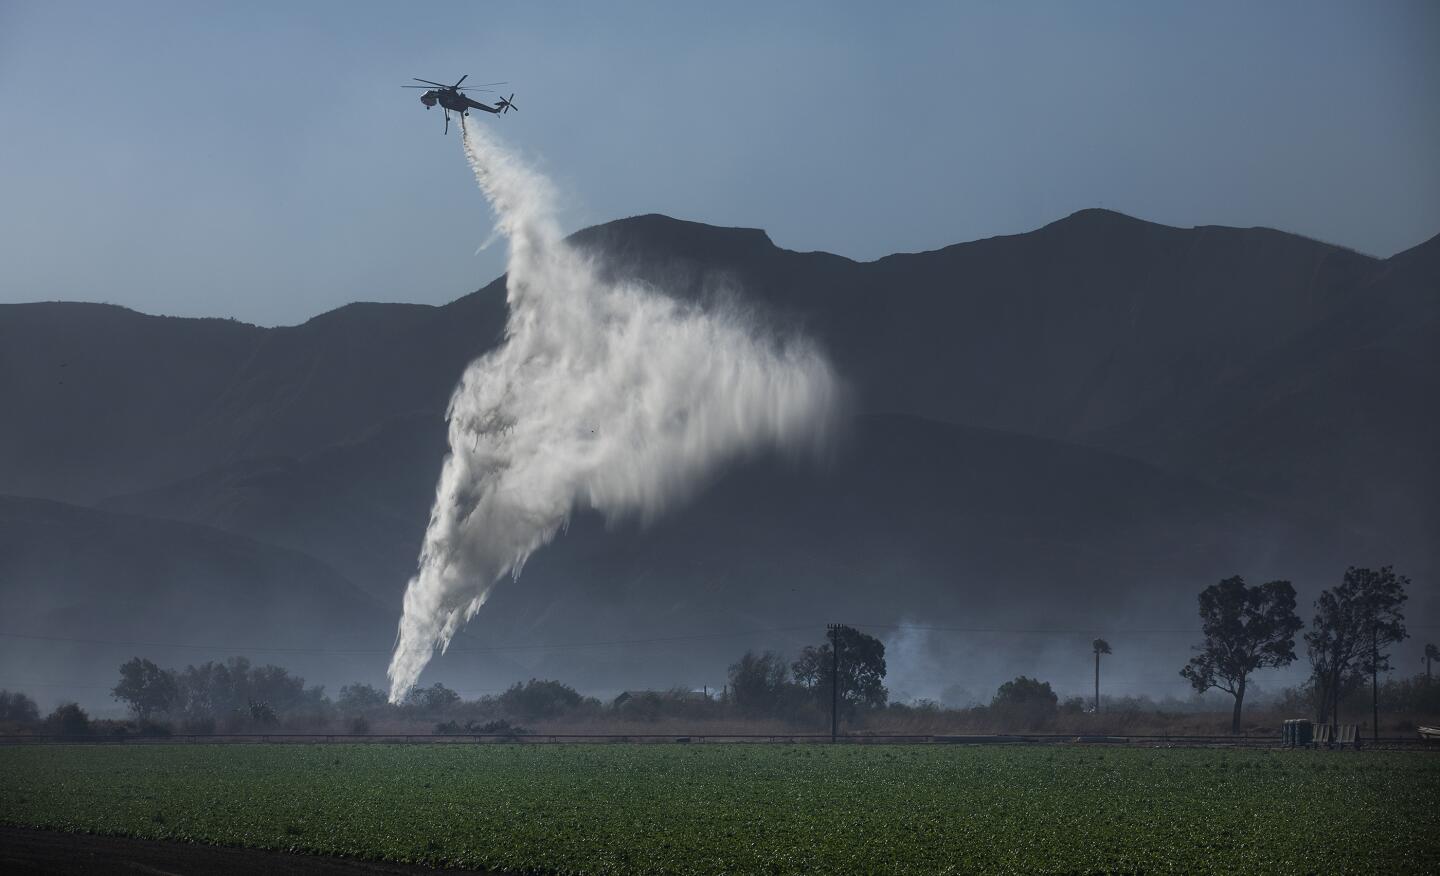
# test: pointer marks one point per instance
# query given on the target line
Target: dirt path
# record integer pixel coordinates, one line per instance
(26, 851)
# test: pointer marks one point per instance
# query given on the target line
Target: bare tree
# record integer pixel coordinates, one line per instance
(1431, 653)
(1246, 628)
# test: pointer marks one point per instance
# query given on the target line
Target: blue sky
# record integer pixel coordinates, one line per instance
(258, 160)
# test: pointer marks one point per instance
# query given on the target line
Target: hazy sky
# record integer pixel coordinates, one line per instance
(258, 160)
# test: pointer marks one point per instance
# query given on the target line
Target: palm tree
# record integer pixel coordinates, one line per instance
(1101, 647)
(1431, 653)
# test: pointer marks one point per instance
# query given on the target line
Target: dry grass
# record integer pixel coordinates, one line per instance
(916, 722)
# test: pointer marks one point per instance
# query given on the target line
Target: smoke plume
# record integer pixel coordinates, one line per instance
(603, 395)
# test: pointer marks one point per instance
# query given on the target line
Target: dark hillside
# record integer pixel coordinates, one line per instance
(81, 573)
(1093, 417)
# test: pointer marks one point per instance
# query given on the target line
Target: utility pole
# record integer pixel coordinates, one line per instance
(1374, 683)
(1097, 681)
(1101, 647)
(834, 630)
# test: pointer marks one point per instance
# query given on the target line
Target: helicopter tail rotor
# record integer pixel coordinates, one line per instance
(506, 104)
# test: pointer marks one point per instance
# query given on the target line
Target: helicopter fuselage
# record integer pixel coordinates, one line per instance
(451, 100)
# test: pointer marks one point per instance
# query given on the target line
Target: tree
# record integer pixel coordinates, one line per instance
(1024, 701)
(540, 699)
(806, 668)
(356, 697)
(146, 688)
(1431, 653)
(18, 708)
(757, 682)
(862, 669)
(1101, 647)
(1246, 628)
(1333, 647)
(215, 690)
(1355, 625)
(68, 719)
(262, 712)
(435, 698)
(281, 690)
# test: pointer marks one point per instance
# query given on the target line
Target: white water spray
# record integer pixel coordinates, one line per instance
(602, 395)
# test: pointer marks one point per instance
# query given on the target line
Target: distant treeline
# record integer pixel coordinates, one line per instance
(758, 694)
(1246, 628)
(1020, 704)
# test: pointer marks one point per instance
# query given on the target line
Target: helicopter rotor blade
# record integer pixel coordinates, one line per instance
(461, 79)
(428, 82)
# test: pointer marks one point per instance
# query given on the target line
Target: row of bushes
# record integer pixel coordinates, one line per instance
(19, 712)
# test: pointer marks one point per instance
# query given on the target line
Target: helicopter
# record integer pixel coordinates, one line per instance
(453, 97)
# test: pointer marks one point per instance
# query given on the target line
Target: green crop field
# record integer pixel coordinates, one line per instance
(754, 808)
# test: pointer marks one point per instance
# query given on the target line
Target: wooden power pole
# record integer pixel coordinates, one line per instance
(1374, 683)
(834, 630)
(1097, 681)
(1101, 647)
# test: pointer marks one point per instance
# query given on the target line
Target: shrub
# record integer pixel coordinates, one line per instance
(110, 727)
(503, 727)
(499, 727)
(262, 713)
(68, 719)
(153, 728)
(641, 706)
(354, 697)
(538, 700)
(757, 683)
(204, 724)
(436, 698)
(1024, 703)
(18, 708)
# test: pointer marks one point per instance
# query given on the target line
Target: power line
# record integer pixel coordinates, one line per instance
(1038, 631)
(53, 684)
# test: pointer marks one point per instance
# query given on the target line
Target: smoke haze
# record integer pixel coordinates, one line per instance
(604, 395)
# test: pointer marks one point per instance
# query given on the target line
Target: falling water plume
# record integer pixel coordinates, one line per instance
(604, 394)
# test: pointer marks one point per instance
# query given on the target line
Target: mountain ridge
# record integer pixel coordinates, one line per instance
(1079, 408)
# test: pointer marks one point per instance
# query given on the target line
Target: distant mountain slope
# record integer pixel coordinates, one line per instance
(100, 399)
(1340, 419)
(913, 518)
(1264, 361)
(916, 521)
(82, 573)
(361, 506)
(1072, 424)
(1089, 322)
(93, 395)
(1083, 325)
